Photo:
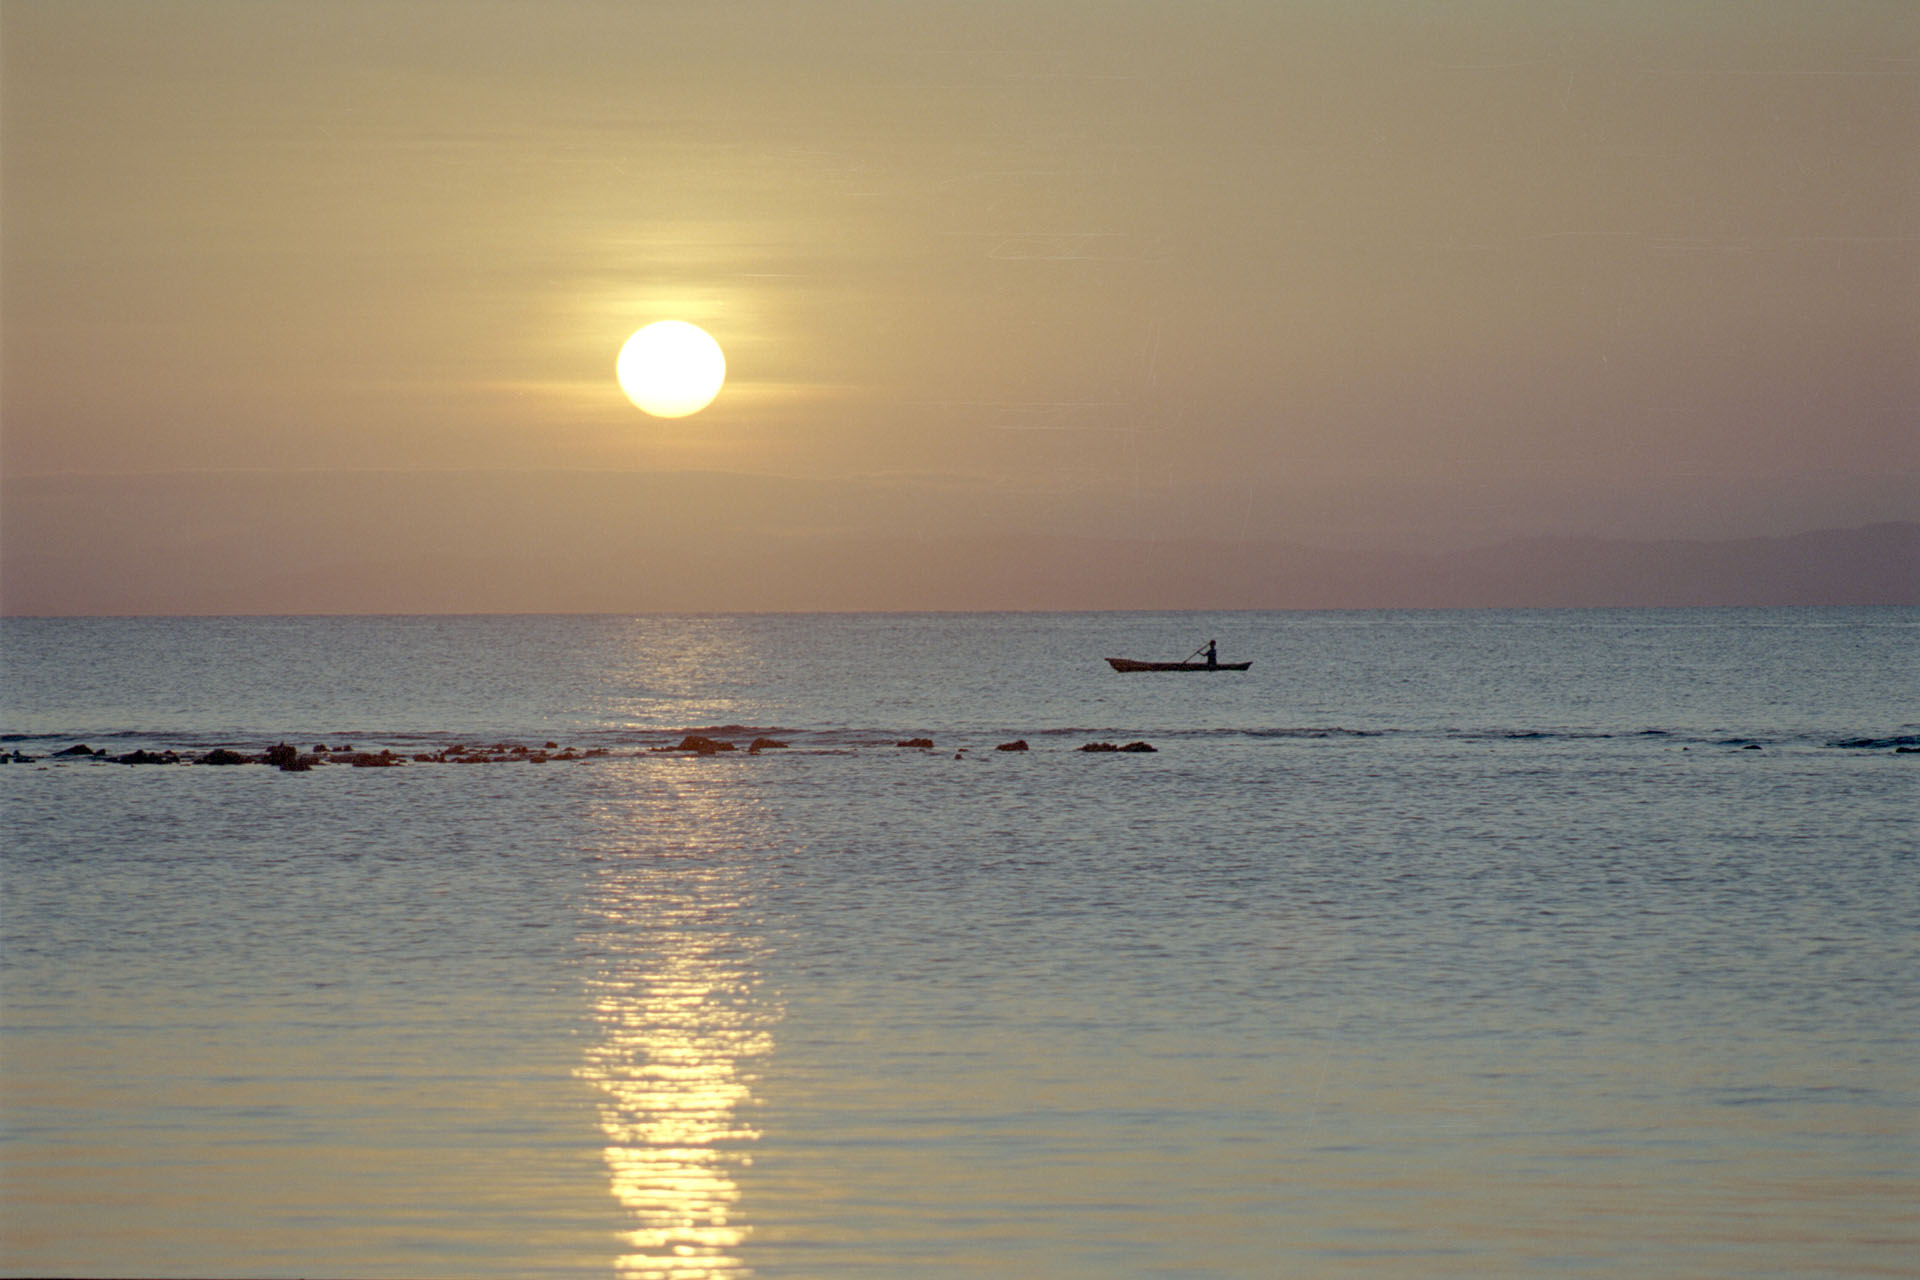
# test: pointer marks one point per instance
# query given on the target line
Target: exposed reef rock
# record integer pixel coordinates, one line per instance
(289, 758)
(704, 746)
(500, 753)
(148, 757)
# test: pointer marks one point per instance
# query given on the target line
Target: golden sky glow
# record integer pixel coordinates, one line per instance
(1384, 275)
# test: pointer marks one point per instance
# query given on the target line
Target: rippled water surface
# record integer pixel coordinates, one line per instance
(1435, 944)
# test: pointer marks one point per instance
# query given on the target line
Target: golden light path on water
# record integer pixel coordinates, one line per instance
(682, 1022)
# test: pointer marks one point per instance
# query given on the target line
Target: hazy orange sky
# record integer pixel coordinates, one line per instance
(299, 291)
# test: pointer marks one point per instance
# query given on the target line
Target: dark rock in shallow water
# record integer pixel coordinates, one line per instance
(148, 757)
(368, 760)
(220, 755)
(78, 749)
(1140, 747)
(287, 758)
(923, 743)
(1018, 744)
(704, 746)
(1100, 746)
(765, 744)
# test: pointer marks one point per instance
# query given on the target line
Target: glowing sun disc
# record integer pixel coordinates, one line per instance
(671, 369)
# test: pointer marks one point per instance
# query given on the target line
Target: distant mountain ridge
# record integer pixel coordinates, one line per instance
(1874, 565)
(1877, 564)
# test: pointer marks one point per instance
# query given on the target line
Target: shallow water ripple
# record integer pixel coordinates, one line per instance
(1439, 945)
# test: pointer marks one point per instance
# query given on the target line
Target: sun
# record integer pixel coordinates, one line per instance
(671, 368)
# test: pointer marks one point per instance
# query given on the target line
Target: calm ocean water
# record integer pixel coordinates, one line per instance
(1487, 943)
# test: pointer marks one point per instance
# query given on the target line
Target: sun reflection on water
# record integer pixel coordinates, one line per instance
(682, 1022)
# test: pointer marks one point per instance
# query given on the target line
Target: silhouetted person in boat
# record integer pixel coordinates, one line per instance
(1213, 653)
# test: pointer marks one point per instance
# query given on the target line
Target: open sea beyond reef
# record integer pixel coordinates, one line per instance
(1575, 943)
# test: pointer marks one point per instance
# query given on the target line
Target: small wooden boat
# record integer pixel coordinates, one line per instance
(1128, 664)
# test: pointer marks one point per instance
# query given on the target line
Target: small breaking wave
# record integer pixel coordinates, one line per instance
(1877, 744)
